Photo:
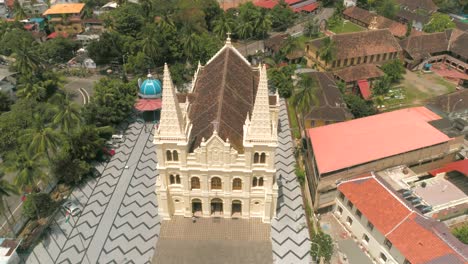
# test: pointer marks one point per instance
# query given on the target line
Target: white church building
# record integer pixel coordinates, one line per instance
(216, 144)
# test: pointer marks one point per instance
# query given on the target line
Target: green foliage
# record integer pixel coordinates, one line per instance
(456, 6)
(387, 8)
(38, 205)
(282, 16)
(322, 247)
(327, 52)
(394, 69)
(5, 102)
(382, 86)
(128, 19)
(112, 102)
(300, 174)
(69, 170)
(461, 233)
(58, 50)
(409, 28)
(109, 47)
(280, 79)
(10, 36)
(362, 4)
(87, 143)
(438, 23)
(304, 96)
(312, 28)
(358, 106)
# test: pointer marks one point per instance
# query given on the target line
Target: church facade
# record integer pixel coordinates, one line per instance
(216, 144)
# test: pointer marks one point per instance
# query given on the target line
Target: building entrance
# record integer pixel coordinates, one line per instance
(216, 207)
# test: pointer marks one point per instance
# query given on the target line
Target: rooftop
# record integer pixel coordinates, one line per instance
(360, 44)
(224, 94)
(359, 72)
(341, 145)
(418, 4)
(330, 105)
(366, 17)
(72, 8)
(419, 239)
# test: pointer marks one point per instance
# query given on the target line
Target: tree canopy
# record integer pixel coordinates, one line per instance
(438, 23)
(386, 8)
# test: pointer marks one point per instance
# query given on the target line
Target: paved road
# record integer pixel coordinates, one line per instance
(120, 222)
(289, 232)
(74, 84)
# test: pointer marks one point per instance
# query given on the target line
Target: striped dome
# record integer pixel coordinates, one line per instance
(150, 88)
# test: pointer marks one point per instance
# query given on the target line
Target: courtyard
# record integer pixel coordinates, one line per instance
(213, 240)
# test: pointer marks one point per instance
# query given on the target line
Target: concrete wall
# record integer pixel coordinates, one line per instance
(359, 227)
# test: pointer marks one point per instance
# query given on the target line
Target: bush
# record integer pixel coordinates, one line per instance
(300, 174)
(69, 170)
(40, 202)
(461, 233)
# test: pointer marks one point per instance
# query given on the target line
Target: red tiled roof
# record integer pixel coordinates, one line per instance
(57, 34)
(266, 3)
(415, 237)
(307, 8)
(354, 142)
(148, 104)
(460, 166)
(365, 89)
(368, 195)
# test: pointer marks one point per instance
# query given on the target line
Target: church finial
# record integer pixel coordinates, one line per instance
(228, 39)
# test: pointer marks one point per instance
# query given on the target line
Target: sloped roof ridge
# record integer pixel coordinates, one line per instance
(228, 45)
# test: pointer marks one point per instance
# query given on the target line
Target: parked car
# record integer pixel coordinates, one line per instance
(71, 208)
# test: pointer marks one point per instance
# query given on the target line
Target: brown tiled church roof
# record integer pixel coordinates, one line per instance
(359, 72)
(364, 43)
(364, 16)
(224, 94)
(419, 47)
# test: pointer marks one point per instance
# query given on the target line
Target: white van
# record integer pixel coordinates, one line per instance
(118, 138)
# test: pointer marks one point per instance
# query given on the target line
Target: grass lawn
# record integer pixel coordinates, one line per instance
(346, 27)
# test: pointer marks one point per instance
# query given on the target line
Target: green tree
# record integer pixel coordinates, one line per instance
(290, 45)
(282, 16)
(6, 189)
(27, 59)
(244, 29)
(362, 4)
(358, 106)
(327, 52)
(280, 79)
(128, 19)
(387, 8)
(222, 25)
(39, 205)
(461, 233)
(5, 102)
(67, 113)
(304, 96)
(68, 169)
(112, 102)
(19, 12)
(409, 28)
(382, 86)
(312, 28)
(109, 47)
(58, 50)
(42, 139)
(322, 247)
(394, 69)
(87, 142)
(438, 23)
(150, 44)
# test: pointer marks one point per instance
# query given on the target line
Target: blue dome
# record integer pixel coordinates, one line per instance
(150, 88)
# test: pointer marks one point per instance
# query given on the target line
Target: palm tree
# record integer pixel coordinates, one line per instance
(190, 45)
(27, 60)
(327, 51)
(35, 91)
(28, 171)
(19, 12)
(223, 25)
(67, 112)
(165, 24)
(262, 23)
(304, 95)
(147, 6)
(150, 44)
(43, 140)
(290, 45)
(6, 189)
(244, 31)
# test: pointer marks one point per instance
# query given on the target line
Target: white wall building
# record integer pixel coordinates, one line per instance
(390, 230)
(349, 3)
(216, 145)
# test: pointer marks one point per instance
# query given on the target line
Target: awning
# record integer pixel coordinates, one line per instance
(148, 104)
(365, 89)
(460, 166)
(56, 34)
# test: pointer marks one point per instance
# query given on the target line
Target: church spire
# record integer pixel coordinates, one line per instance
(260, 125)
(171, 125)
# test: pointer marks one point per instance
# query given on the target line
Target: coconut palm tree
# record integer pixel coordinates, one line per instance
(290, 45)
(67, 113)
(43, 140)
(328, 50)
(223, 25)
(304, 95)
(28, 171)
(35, 91)
(262, 23)
(27, 60)
(245, 31)
(19, 12)
(190, 45)
(6, 189)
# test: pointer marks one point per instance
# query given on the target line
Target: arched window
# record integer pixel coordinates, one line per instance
(175, 155)
(171, 179)
(263, 158)
(256, 157)
(168, 155)
(216, 183)
(237, 184)
(260, 181)
(177, 179)
(254, 182)
(195, 183)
